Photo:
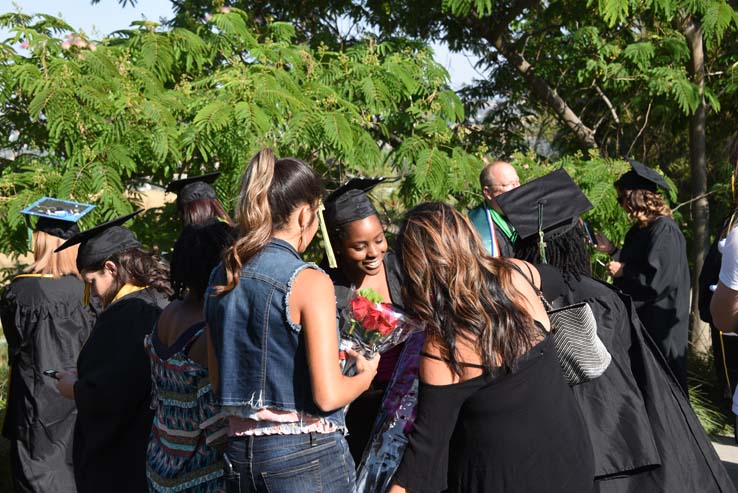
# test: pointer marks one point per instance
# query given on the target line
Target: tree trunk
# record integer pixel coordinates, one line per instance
(699, 331)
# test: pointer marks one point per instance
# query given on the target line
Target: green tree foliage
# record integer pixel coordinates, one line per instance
(90, 120)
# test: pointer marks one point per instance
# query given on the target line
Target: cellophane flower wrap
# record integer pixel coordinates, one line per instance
(371, 326)
(394, 422)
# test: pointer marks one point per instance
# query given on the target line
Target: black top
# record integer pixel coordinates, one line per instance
(656, 276)
(522, 432)
(113, 397)
(45, 326)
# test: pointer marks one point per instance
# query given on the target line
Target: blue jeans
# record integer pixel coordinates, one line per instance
(305, 463)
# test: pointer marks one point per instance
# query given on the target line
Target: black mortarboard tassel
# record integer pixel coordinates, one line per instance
(550, 204)
(641, 177)
(102, 241)
(193, 188)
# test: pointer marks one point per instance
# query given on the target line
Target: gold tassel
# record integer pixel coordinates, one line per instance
(326, 242)
(86, 299)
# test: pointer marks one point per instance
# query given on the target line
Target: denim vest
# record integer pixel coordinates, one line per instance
(260, 350)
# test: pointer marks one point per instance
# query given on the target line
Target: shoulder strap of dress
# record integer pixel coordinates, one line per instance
(527, 278)
(538, 291)
(438, 358)
(192, 334)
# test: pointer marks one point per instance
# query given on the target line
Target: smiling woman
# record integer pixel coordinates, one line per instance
(364, 261)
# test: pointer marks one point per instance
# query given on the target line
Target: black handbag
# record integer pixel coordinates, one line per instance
(581, 353)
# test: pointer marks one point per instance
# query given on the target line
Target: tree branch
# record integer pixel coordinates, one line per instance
(495, 34)
(640, 132)
(695, 199)
(607, 102)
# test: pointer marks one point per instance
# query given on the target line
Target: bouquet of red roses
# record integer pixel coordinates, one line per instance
(371, 326)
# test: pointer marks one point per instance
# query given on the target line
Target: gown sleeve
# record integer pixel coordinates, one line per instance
(424, 466)
(651, 278)
(116, 374)
(9, 318)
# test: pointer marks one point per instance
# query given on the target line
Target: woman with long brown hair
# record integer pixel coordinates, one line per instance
(652, 266)
(494, 412)
(272, 319)
(45, 326)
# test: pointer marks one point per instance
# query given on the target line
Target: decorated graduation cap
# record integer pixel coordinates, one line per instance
(641, 177)
(548, 206)
(193, 188)
(102, 241)
(57, 217)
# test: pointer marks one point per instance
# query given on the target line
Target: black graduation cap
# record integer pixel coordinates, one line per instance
(349, 202)
(101, 241)
(553, 200)
(641, 177)
(57, 217)
(193, 188)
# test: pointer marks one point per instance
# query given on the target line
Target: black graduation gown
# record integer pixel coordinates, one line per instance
(656, 276)
(45, 325)
(113, 396)
(363, 411)
(644, 433)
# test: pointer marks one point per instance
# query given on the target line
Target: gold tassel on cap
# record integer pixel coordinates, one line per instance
(86, 299)
(326, 242)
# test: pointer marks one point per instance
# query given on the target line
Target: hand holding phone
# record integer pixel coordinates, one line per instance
(52, 373)
(590, 233)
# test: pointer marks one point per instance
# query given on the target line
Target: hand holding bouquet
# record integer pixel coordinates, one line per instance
(372, 326)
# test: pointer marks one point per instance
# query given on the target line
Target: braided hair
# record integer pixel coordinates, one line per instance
(567, 252)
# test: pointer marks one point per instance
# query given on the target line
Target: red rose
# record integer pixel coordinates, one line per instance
(386, 326)
(371, 320)
(360, 306)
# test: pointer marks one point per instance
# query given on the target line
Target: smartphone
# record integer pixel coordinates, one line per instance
(52, 373)
(590, 233)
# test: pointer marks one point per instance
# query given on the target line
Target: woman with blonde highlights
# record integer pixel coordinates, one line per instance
(494, 412)
(272, 318)
(652, 265)
(45, 324)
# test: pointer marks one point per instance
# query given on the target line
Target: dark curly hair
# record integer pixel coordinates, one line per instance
(643, 205)
(139, 268)
(198, 250)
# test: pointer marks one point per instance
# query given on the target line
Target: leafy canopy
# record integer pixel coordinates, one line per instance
(90, 120)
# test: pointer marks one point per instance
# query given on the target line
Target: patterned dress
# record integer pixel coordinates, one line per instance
(180, 456)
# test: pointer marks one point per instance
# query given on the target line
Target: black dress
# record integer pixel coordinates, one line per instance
(45, 325)
(522, 432)
(656, 276)
(362, 413)
(644, 434)
(113, 396)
